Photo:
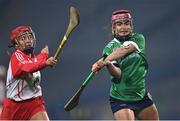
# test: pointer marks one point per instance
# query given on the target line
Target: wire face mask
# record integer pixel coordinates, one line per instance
(26, 35)
(28, 40)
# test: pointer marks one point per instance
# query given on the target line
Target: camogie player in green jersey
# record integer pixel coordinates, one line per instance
(126, 62)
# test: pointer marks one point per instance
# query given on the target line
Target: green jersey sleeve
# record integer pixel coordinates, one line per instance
(140, 41)
(111, 46)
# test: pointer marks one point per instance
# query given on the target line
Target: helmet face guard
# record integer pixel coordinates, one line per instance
(121, 16)
(26, 34)
(23, 33)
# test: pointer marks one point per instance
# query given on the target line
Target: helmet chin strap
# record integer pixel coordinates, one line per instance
(122, 38)
(28, 50)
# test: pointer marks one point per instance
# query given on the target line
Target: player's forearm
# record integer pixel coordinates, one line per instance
(121, 52)
(33, 67)
(117, 54)
(113, 70)
(36, 66)
(41, 56)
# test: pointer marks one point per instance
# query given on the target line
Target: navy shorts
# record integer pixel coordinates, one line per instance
(117, 104)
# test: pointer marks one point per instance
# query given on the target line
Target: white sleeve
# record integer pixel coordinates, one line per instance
(127, 43)
(115, 63)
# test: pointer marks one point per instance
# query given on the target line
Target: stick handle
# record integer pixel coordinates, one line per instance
(63, 41)
(91, 75)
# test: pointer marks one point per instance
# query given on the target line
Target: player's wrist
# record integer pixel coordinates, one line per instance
(107, 63)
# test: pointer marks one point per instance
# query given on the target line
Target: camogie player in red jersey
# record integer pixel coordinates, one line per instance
(23, 97)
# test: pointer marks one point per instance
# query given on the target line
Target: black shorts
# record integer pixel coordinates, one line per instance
(117, 104)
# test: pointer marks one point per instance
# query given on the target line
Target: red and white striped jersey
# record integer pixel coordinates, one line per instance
(23, 76)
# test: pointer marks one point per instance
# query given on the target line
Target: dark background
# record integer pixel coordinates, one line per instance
(158, 20)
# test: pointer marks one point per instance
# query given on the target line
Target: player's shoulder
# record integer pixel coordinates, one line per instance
(17, 55)
(138, 35)
(115, 41)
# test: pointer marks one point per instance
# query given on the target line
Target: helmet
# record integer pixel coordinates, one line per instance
(19, 31)
(120, 14)
(117, 16)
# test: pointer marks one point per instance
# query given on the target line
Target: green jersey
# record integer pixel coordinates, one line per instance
(131, 85)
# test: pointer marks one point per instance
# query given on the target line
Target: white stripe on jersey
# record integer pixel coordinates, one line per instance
(19, 57)
(116, 40)
(127, 43)
(9, 77)
(114, 62)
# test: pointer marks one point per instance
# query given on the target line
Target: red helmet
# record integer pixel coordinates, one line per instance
(20, 30)
(120, 14)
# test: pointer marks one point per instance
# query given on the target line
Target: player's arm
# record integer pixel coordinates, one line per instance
(20, 65)
(44, 54)
(34, 66)
(42, 61)
(121, 52)
(112, 69)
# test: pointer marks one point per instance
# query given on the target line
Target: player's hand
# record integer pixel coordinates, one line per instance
(51, 61)
(97, 66)
(45, 50)
(107, 62)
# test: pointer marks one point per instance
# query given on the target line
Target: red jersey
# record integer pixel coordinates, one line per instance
(23, 76)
